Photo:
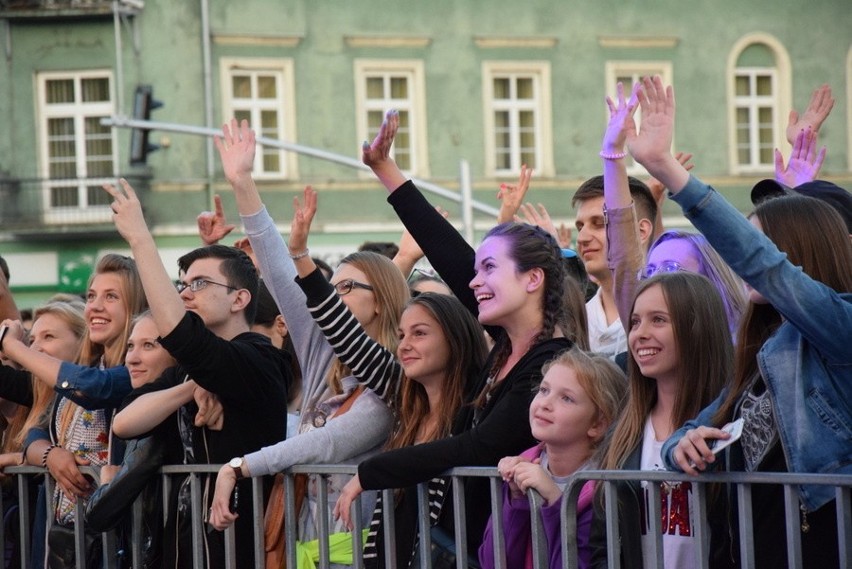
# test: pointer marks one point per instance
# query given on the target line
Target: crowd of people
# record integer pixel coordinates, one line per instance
(632, 350)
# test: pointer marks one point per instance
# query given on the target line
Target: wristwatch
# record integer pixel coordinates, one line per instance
(237, 465)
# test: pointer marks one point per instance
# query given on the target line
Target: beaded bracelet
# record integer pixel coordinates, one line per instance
(298, 256)
(44, 455)
(613, 156)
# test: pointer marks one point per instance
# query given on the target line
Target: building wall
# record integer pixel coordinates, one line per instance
(453, 41)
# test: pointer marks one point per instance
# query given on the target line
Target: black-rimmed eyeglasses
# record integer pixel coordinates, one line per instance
(345, 286)
(200, 284)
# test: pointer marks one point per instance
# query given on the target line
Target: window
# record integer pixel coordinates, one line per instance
(261, 91)
(758, 100)
(757, 112)
(76, 150)
(391, 84)
(630, 73)
(517, 117)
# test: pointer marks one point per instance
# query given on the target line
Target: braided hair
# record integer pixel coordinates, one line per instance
(531, 247)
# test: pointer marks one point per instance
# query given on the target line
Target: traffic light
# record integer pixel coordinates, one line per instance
(143, 103)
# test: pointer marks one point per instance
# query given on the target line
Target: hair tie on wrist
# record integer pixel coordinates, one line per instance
(613, 156)
(298, 256)
(44, 455)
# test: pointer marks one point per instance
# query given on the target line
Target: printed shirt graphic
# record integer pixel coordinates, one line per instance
(675, 507)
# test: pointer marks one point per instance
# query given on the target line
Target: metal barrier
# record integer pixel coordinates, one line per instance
(609, 480)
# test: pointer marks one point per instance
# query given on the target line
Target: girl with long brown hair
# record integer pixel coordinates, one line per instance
(792, 377)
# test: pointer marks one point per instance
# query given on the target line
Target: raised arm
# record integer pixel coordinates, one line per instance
(377, 156)
(212, 225)
(625, 254)
(166, 304)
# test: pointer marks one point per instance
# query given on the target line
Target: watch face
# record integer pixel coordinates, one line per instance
(236, 462)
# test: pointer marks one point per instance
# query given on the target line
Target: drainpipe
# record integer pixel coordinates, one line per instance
(208, 96)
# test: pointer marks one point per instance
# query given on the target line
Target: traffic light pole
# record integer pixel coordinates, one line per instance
(467, 203)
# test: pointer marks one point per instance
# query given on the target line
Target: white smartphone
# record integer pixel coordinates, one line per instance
(3, 330)
(735, 429)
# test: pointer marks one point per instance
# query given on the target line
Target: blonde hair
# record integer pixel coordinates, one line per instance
(391, 292)
(70, 312)
(602, 380)
(133, 299)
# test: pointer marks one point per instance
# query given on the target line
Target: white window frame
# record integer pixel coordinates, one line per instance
(415, 105)
(755, 103)
(781, 99)
(539, 72)
(79, 112)
(636, 70)
(285, 105)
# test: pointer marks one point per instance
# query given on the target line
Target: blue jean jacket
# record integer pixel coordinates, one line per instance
(806, 363)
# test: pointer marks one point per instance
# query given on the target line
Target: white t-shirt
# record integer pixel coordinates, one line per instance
(604, 338)
(676, 509)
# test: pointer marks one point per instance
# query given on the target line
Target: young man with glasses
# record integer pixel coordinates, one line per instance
(204, 324)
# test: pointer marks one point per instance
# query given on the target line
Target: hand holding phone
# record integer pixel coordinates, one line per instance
(3, 330)
(735, 429)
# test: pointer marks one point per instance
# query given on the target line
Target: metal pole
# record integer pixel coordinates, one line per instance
(119, 70)
(466, 200)
(125, 122)
(208, 96)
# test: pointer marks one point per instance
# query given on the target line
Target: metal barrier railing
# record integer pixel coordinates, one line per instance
(609, 479)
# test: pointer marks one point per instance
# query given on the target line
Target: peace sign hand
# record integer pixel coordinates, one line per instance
(127, 212)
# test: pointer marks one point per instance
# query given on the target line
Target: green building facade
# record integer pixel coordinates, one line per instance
(494, 84)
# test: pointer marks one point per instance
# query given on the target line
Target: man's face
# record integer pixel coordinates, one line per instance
(214, 303)
(591, 237)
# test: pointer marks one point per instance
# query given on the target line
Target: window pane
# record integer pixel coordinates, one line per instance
(95, 90)
(269, 123)
(764, 86)
(266, 87)
(528, 140)
(742, 116)
(97, 196)
(502, 140)
(742, 86)
(766, 155)
(404, 120)
(243, 115)
(501, 119)
(374, 121)
(375, 88)
(765, 116)
(64, 197)
(504, 160)
(528, 158)
(525, 88)
(241, 86)
(98, 149)
(399, 88)
(272, 161)
(526, 119)
(743, 156)
(60, 91)
(501, 88)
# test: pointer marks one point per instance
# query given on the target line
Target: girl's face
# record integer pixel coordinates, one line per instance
(52, 335)
(423, 351)
(360, 301)
(146, 359)
(106, 314)
(561, 413)
(651, 338)
(678, 251)
(499, 288)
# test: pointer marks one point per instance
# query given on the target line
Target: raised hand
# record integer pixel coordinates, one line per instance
(818, 110)
(245, 246)
(212, 225)
(377, 152)
(236, 147)
(303, 215)
(127, 212)
(805, 161)
(653, 141)
(511, 196)
(621, 124)
(540, 217)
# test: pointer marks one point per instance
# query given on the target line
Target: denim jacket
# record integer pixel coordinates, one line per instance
(806, 363)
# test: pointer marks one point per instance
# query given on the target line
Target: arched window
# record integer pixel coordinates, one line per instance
(758, 102)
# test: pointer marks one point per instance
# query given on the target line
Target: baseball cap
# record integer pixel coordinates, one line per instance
(830, 193)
